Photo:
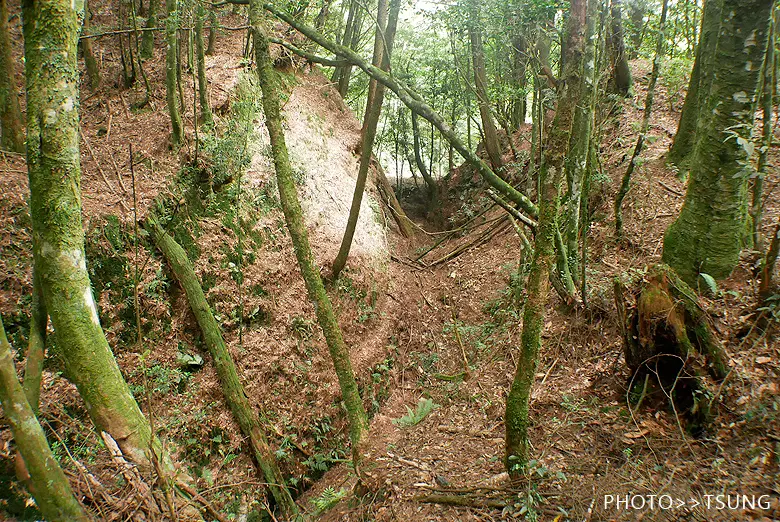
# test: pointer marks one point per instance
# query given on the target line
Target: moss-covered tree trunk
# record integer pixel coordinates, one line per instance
(621, 75)
(203, 84)
(708, 235)
(492, 145)
(288, 194)
(10, 112)
(58, 236)
(580, 144)
(171, 69)
(698, 86)
(538, 287)
(147, 40)
(433, 187)
(49, 486)
(36, 346)
(519, 69)
(226, 369)
(626, 181)
(370, 122)
(211, 47)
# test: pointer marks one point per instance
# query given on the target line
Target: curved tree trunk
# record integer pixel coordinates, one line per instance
(433, 187)
(293, 214)
(10, 112)
(708, 235)
(49, 486)
(226, 369)
(55, 176)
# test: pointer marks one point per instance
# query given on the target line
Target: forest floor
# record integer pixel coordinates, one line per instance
(401, 319)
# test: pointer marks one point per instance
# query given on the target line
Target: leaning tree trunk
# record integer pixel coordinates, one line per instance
(492, 145)
(235, 396)
(171, 70)
(288, 194)
(698, 85)
(538, 287)
(371, 120)
(55, 176)
(49, 485)
(708, 235)
(668, 335)
(433, 188)
(626, 181)
(10, 113)
(621, 75)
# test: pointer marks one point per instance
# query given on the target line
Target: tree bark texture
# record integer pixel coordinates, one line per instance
(10, 112)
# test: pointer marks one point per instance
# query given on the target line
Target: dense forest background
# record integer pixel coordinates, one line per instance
(429, 260)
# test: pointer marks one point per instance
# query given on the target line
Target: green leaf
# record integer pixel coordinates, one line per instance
(710, 284)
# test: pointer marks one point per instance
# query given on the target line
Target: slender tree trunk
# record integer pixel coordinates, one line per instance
(147, 40)
(699, 84)
(768, 283)
(36, 346)
(231, 385)
(621, 74)
(353, 42)
(379, 45)
(767, 90)
(346, 37)
(55, 176)
(492, 145)
(322, 16)
(626, 181)
(171, 70)
(10, 113)
(50, 487)
(519, 69)
(551, 177)
(371, 120)
(203, 92)
(708, 235)
(293, 214)
(93, 71)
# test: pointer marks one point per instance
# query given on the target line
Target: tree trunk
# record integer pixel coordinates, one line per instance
(211, 47)
(50, 487)
(768, 285)
(379, 45)
(93, 71)
(699, 84)
(551, 176)
(580, 144)
(519, 69)
(203, 92)
(171, 70)
(621, 74)
(433, 187)
(10, 112)
(768, 85)
(36, 346)
(232, 388)
(322, 16)
(371, 120)
(352, 43)
(492, 145)
(708, 235)
(626, 181)
(386, 192)
(293, 214)
(55, 176)
(147, 40)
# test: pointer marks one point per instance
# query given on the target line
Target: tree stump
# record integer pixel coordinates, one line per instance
(669, 345)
